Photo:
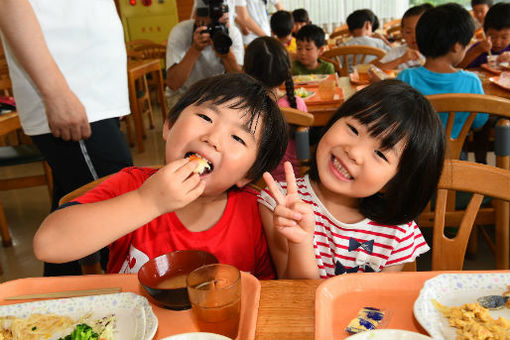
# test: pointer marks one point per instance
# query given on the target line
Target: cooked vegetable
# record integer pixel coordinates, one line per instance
(82, 332)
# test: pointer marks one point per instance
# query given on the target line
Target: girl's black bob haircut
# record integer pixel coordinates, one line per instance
(246, 94)
(394, 111)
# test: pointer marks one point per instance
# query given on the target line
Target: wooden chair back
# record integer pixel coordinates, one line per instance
(340, 34)
(486, 215)
(357, 54)
(143, 49)
(479, 179)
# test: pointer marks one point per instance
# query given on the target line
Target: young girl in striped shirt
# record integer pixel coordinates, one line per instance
(375, 168)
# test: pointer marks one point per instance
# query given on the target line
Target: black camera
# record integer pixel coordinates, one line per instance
(217, 30)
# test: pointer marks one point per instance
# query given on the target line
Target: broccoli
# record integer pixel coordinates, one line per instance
(82, 332)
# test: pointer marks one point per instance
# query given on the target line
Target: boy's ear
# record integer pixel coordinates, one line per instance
(368, 26)
(167, 126)
(322, 49)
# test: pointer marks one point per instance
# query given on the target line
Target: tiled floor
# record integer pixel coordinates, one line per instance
(26, 208)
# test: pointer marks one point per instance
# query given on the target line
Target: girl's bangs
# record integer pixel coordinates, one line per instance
(382, 124)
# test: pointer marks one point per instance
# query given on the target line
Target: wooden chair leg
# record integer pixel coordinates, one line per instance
(148, 101)
(129, 130)
(4, 229)
(472, 247)
(49, 178)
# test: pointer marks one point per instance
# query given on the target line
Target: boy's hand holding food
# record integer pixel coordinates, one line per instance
(173, 186)
(292, 217)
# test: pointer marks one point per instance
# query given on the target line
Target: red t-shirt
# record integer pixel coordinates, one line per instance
(237, 238)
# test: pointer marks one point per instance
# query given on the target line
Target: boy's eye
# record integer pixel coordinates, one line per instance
(381, 155)
(238, 139)
(204, 117)
(353, 129)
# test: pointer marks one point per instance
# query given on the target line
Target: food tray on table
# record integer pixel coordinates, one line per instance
(309, 79)
(455, 290)
(338, 300)
(316, 100)
(498, 81)
(497, 69)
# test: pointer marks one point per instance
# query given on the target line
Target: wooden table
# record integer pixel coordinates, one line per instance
(137, 69)
(287, 307)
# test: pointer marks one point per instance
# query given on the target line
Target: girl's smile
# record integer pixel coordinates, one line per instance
(351, 162)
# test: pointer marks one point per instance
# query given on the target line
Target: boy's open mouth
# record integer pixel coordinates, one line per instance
(204, 165)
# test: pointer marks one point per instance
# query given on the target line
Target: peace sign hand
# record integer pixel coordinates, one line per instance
(292, 217)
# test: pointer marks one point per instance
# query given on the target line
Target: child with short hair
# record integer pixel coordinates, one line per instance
(354, 210)
(311, 44)
(406, 55)
(497, 31)
(301, 18)
(360, 23)
(267, 61)
(480, 9)
(237, 131)
(442, 34)
(282, 24)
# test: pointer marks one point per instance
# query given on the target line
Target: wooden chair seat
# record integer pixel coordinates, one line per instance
(19, 154)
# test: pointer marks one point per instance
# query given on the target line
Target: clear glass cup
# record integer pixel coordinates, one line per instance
(327, 89)
(215, 294)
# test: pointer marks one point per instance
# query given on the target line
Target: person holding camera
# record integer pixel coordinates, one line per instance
(202, 47)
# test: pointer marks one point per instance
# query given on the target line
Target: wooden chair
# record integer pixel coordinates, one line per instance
(487, 215)
(479, 179)
(344, 56)
(340, 34)
(15, 155)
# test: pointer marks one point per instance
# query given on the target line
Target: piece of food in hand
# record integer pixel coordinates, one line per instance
(203, 167)
(368, 318)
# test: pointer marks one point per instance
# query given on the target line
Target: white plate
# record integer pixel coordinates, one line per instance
(388, 334)
(135, 319)
(456, 290)
(197, 336)
(308, 78)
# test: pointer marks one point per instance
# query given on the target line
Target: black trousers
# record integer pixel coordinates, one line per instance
(75, 164)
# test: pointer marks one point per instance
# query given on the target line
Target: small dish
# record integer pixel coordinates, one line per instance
(388, 334)
(304, 93)
(493, 69)
(164, 277)
(197, 336)
(497, 80)
(354, 77)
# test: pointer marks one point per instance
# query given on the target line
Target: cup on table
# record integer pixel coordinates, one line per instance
(215, 294)
(363, 71)
(327, 89)
(492, 60)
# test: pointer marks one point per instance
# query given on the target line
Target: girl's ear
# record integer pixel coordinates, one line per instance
(167, 126)
(242, 182)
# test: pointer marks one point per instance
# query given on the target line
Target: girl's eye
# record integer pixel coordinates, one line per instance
(238, 139)
(353, 129)
(381, 155)
(204, 117)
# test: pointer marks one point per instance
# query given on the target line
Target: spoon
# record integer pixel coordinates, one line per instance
(493, 301)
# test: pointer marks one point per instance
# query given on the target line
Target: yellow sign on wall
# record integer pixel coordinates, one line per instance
(148, 19)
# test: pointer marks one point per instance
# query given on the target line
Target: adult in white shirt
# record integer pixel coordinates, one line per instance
(252, 18)
(190, 55)
(67, 62)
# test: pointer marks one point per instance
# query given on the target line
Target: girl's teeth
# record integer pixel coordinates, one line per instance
(341, 169)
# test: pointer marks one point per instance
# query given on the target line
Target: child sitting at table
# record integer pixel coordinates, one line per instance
(480, 9)
(282, 25)
(360, 25)
(311, 44)
(267, 60)
(301, 18)
(497, 30)
(405, 55)
(442, 34)
(354, 210)
(236, 130)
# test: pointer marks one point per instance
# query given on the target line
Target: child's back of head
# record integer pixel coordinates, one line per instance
(282, 24)
(393, 112)
(312, 33)
(359, 18)
(301, 15)
(441, 27)
(267, 60)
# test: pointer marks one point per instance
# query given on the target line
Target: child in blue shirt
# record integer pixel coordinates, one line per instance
(442, 34)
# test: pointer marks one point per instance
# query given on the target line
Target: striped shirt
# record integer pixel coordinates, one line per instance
(365, 246)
